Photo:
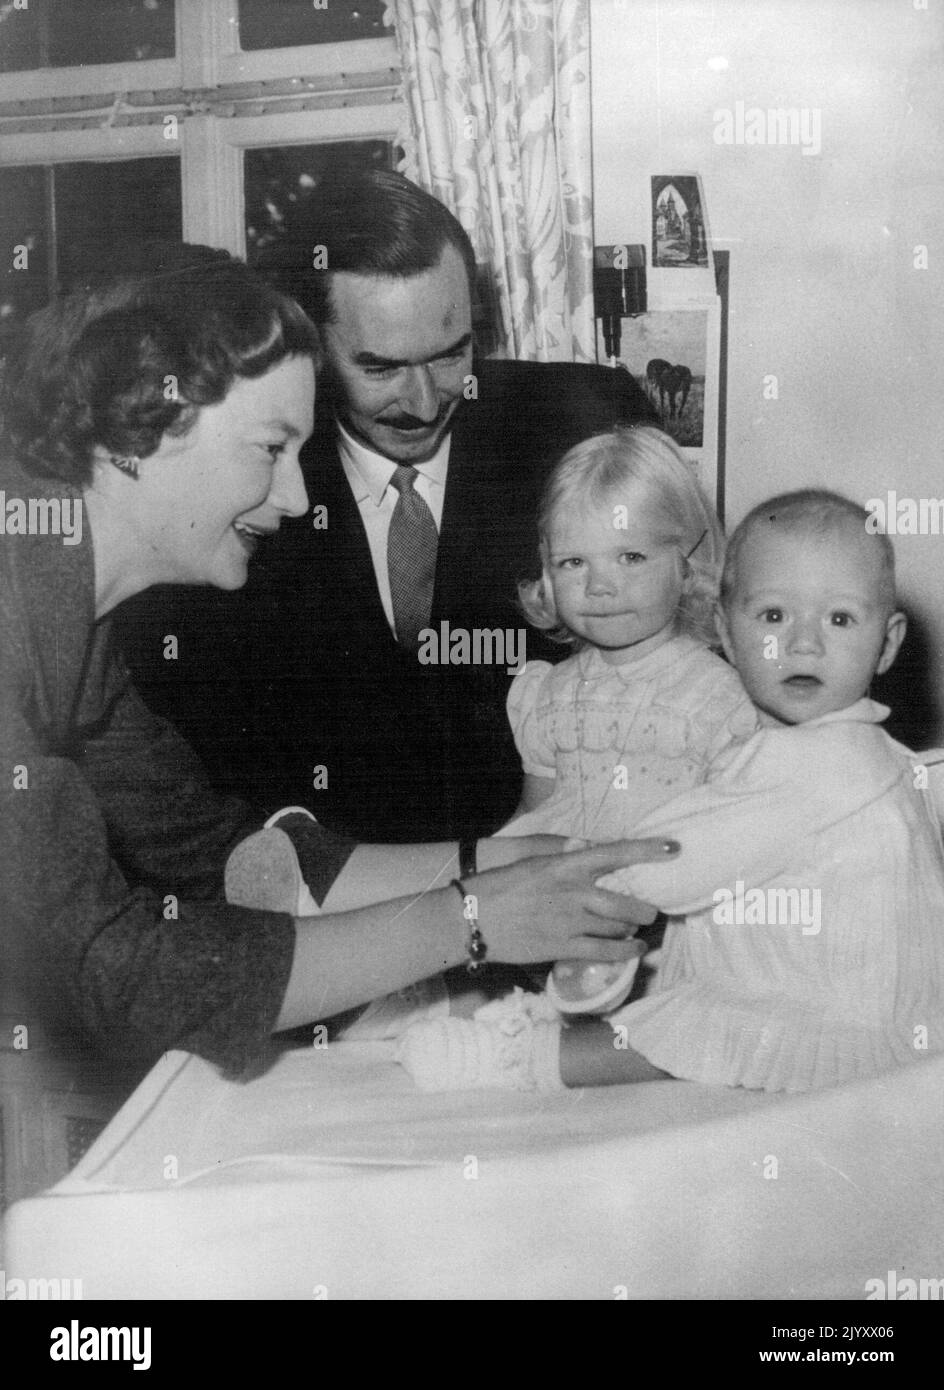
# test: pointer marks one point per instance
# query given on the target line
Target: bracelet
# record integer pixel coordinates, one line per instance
(476, 946)
(468, 866)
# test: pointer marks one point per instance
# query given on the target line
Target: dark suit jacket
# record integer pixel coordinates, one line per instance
(299, 670)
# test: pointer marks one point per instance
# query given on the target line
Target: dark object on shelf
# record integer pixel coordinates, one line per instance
(619, 289)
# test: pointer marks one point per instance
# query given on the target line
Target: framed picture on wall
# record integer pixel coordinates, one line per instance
(679, 223)
(674, 355)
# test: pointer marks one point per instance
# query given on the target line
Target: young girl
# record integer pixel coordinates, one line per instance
(631, 552)
(811, 871)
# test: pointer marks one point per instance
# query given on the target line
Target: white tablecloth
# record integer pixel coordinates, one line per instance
(330, 1176)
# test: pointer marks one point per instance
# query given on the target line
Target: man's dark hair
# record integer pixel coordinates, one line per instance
(367, 222)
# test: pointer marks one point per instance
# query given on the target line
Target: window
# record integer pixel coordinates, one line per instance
(278, 182)
(65, 221)
(63, 33)
(25, 283)
(148, 128)
(288, 23)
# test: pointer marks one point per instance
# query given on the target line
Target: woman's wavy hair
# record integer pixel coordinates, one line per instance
(124, 360)
(594, 473)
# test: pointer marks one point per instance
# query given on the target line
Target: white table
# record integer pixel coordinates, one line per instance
(330, 1176)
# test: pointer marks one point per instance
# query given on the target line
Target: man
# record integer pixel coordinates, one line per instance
(363, 671)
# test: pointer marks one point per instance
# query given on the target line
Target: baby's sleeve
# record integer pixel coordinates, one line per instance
(526, 697)
(928, 769)
(777, 791)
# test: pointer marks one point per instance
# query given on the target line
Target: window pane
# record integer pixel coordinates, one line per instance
(288, 23)
(101, 209)
(98, 211)
(66, 33)
(23, 247)
(280, 181)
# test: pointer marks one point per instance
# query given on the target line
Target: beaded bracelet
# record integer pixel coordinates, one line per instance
(476, 946)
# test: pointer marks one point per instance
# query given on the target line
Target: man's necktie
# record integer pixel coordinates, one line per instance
(411, 559)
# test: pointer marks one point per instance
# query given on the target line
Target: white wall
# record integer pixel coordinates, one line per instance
(824, 293)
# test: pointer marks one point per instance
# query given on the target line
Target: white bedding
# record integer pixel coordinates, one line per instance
(329, 1176)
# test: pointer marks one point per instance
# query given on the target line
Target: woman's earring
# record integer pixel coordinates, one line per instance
(126, 463)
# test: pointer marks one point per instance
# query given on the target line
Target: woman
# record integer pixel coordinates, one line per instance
(152, 431)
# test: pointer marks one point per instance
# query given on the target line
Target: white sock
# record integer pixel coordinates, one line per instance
(515, 1053)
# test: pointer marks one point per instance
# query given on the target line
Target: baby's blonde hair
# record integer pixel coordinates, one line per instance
(809, 511)
(674, 505)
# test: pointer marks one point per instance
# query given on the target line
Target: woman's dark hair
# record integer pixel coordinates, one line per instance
(122, 361)
(366, 222)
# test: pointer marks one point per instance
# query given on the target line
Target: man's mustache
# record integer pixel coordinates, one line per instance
(413, 422)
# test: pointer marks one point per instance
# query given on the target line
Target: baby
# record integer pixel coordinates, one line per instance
(809, 890)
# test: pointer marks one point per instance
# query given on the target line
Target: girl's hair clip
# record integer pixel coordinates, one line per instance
(125, 463)
(697, 544)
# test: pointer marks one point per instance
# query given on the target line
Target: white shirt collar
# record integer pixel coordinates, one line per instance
(369, 473)
(862, 711)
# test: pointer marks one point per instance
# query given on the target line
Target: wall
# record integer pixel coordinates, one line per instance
(824, 290)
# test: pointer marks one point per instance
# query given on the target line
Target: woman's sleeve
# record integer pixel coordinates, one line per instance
(773, 794)
(537, 756)
(112, 891)
(164, 817)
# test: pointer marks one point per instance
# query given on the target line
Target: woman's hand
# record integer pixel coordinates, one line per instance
(549, 908)
(499, 850)
(391, 918)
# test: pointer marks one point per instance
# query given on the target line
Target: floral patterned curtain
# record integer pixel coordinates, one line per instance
(498, 94)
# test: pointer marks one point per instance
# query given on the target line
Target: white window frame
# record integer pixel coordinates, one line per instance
(210, 144)
(207, 53)
(229, 63)
(105, 78)
(214, 187)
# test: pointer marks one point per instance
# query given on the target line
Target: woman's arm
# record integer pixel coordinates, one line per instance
(167, 825)
(377, 873)
(536, 910)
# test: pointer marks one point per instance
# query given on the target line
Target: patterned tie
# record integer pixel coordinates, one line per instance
(411, 559)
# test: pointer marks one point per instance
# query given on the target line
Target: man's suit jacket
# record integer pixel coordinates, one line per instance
(294, 690)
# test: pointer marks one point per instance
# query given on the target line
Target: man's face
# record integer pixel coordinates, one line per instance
(400, 350)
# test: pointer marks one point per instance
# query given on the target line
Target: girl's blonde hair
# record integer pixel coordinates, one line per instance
(674, 507)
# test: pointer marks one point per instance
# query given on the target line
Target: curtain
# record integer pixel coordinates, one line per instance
(498, 97)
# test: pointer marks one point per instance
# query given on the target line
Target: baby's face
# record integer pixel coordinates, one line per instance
(807, 625)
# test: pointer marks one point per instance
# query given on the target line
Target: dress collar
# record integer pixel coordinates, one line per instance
(677, 648)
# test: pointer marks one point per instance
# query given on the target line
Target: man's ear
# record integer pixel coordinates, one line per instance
(721, 625)
(895, 629)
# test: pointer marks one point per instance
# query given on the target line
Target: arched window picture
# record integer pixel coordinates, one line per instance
(679, 234)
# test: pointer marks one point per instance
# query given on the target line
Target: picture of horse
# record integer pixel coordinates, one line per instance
(668, 386)
(666, 352)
